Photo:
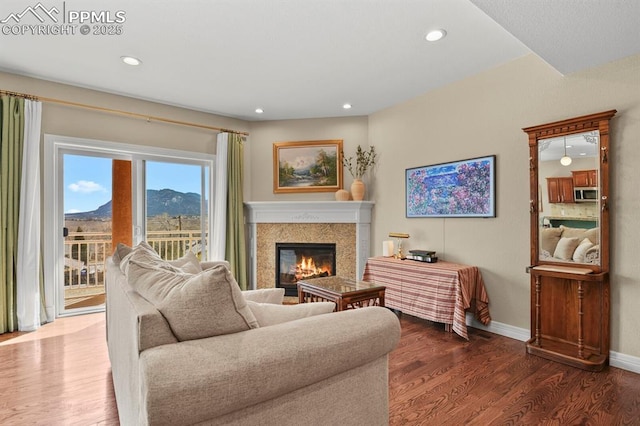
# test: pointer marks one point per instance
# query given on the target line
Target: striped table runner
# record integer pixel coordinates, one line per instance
(439, 292)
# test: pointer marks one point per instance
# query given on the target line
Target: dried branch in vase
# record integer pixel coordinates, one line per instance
(363, 161)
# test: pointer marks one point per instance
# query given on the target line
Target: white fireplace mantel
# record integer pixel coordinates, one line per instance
(356, 212)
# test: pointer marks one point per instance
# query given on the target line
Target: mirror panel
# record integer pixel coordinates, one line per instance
(568, 201)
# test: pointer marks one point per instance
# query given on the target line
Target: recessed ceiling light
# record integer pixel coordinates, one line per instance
(435, 35)
(259, 110)
(346, 106)
(130, 60)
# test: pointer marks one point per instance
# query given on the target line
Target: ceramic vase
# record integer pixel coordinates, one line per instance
(357, 190)
(342, 195)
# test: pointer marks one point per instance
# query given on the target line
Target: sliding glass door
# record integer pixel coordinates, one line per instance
(168, 196)
(176, 208)
(86, 233)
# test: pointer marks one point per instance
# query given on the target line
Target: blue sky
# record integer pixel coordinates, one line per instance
(87, 180)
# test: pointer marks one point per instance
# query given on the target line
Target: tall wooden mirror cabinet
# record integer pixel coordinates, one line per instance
(569, 164)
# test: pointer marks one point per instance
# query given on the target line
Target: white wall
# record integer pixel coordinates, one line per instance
(484, 115)
(352, 130)
(478, 116)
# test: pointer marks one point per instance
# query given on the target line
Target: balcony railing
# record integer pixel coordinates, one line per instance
(85, 253)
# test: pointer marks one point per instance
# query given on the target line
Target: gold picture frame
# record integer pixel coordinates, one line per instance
(307, 166)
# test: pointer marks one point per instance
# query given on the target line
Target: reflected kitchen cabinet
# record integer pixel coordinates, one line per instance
(560, 189)
(585, 178)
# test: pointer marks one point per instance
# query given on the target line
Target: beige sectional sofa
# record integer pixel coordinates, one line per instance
(188, 347)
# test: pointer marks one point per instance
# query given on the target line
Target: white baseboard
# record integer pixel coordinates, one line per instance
(506, 330)
(625, 362)
(616, 359)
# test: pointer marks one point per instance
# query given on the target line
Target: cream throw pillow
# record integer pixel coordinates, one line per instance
(270, 314)
(581, 250)
(195, 306)
(565, 248)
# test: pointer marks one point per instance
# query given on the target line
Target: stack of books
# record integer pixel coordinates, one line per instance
(423, 256)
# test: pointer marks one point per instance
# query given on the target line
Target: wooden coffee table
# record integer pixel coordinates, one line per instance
(344, 292)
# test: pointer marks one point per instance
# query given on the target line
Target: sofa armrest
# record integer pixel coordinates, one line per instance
(241, 369)
(265, 295)
(153, 328)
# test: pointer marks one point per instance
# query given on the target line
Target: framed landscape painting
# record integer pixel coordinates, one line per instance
(457, 189)
(307, 166)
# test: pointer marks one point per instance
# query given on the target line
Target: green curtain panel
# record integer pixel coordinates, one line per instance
(12, 122)
(235, 244)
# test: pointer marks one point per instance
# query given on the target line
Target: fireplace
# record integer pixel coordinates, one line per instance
(347, 224)
(297, 261)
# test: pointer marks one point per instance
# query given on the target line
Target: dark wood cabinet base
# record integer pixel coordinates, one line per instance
(567, 353)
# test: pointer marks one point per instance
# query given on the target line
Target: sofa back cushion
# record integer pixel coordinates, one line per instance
(271, 314)
(593, 234)
(196, 306)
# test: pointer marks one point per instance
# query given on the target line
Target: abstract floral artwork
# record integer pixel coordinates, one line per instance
(458, 189)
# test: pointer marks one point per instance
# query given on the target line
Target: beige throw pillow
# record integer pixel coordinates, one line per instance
(143, 252)
(565, 248)
(195, 306)
(188, 263)
(120, 252)
(581, 250)
(270, 314)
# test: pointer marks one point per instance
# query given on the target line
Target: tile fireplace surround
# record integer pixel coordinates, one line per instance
(345, 223)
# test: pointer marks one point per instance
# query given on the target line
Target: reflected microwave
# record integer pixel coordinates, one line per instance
(585, 195)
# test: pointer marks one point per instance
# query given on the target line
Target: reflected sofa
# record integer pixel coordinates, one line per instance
(241, 358)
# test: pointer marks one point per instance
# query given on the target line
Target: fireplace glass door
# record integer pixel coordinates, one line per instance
(298, 261)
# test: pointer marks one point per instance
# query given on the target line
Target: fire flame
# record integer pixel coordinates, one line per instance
(307, 268)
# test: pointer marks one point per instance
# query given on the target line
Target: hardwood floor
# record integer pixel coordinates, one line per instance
(436, 378)
(60, 375)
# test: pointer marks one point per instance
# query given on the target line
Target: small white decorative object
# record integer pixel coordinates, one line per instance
(399, 237)
(387, 248)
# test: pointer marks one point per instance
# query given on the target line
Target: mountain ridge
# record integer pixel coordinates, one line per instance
(159, 201)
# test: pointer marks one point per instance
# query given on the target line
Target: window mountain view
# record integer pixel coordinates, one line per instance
(159, 202)
(173, 226)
